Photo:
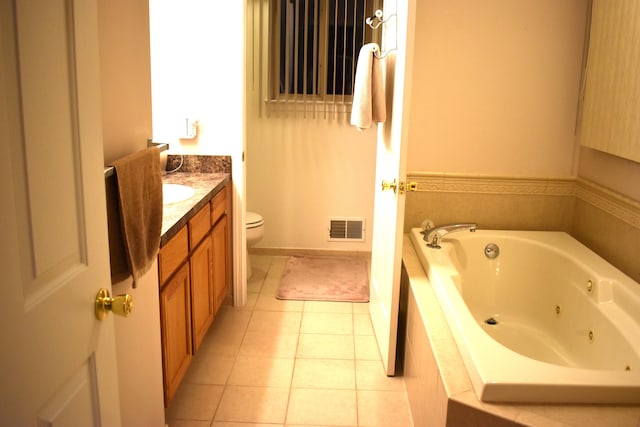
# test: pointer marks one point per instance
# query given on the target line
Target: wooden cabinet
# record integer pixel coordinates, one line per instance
(175, 324)
(172, 255)
(219, 239)
(202, 293)
(194, 272)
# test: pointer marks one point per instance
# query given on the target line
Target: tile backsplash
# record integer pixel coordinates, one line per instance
(605, 221)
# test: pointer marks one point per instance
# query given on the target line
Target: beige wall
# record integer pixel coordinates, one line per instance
(123, 28)
(125, 76)
(496, 86)
(495, 92)
(197, 58)
(197, 70)
(301, 171)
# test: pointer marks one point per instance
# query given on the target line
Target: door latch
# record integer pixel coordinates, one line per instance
(399, 186)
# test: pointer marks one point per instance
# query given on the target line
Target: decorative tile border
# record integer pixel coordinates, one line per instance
(484, 184)
(611, 202)
(615, 204)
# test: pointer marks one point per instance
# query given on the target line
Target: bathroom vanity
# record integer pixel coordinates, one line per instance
(194, 269)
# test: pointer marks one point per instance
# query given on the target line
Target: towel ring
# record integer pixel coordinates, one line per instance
(378, 54)
(377, 19)
(374, 22)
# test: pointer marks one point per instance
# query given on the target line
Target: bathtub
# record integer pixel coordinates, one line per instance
(547, 320)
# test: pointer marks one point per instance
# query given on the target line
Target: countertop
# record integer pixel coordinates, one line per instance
(176, 215)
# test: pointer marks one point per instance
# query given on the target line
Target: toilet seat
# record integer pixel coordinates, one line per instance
(254, 220)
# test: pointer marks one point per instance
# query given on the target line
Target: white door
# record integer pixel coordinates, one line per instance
(57, 362)
(388, 215)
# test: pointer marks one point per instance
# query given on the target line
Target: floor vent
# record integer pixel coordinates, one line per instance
(341, 229)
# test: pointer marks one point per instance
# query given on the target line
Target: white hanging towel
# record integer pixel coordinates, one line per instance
(368, 93)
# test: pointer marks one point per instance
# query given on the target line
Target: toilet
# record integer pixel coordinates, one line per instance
(255, 231)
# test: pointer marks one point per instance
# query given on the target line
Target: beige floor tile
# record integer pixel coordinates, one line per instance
(383, 409)
(259, 272)
(324, 373)
(195, 402)
(275, 321)
(327, 307)
(270, 303)
(220, 348)
(327, 323)
(261, 260)
(310, 425)
(262, 372)
(240, 349)
(361, 307)
(254, 283)
(229, 317)
(228, 326)
(209, 368)
(269, 344)
(276, 268)
(317, 346)
(252, 298)
(362, 324)
(253, 404)
(270, 288)
(310, 406)
(230, 424)
(189, 423)
(366, 347)
(370, 375)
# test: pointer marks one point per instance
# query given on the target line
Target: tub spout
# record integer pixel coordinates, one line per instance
(434, 235)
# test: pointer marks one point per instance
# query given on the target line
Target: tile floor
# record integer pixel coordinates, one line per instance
(288, 363)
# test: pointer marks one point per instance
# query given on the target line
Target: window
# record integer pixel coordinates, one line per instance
(314, 46)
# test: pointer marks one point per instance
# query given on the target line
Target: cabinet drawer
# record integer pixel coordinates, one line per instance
(199, 226)
(218, 205)
(172, 254)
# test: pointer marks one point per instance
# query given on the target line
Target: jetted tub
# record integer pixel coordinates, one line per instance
(547, 320)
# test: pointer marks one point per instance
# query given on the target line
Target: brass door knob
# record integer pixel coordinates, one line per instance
(122, 305)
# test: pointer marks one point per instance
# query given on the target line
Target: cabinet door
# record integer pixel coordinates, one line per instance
(219, 237)
(175, 319)
(201, 291)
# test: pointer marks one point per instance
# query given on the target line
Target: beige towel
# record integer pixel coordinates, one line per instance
(368, 93)
(140, 196)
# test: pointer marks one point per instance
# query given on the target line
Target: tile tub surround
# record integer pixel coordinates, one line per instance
(605, 221)
(176, 215)
(436, 378)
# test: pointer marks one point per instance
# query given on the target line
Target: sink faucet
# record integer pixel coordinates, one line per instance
(434, 235)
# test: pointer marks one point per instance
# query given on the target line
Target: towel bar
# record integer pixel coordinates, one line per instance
(109, 170)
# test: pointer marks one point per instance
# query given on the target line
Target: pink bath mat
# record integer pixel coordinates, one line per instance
(325, 279)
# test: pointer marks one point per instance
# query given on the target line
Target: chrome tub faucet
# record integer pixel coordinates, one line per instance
(434, 235)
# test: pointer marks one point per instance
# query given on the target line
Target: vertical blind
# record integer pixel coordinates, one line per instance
(312, 52)
(611, 103)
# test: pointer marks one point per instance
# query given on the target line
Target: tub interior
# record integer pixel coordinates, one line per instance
(546, 316)
(539, 302)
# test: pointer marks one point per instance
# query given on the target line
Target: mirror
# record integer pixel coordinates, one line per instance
(611, 103)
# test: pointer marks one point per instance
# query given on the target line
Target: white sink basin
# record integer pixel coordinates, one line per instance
(174, 193)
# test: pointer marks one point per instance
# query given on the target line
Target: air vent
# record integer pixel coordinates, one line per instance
(341, 229)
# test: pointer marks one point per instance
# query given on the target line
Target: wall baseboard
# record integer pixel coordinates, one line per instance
(307, 252)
